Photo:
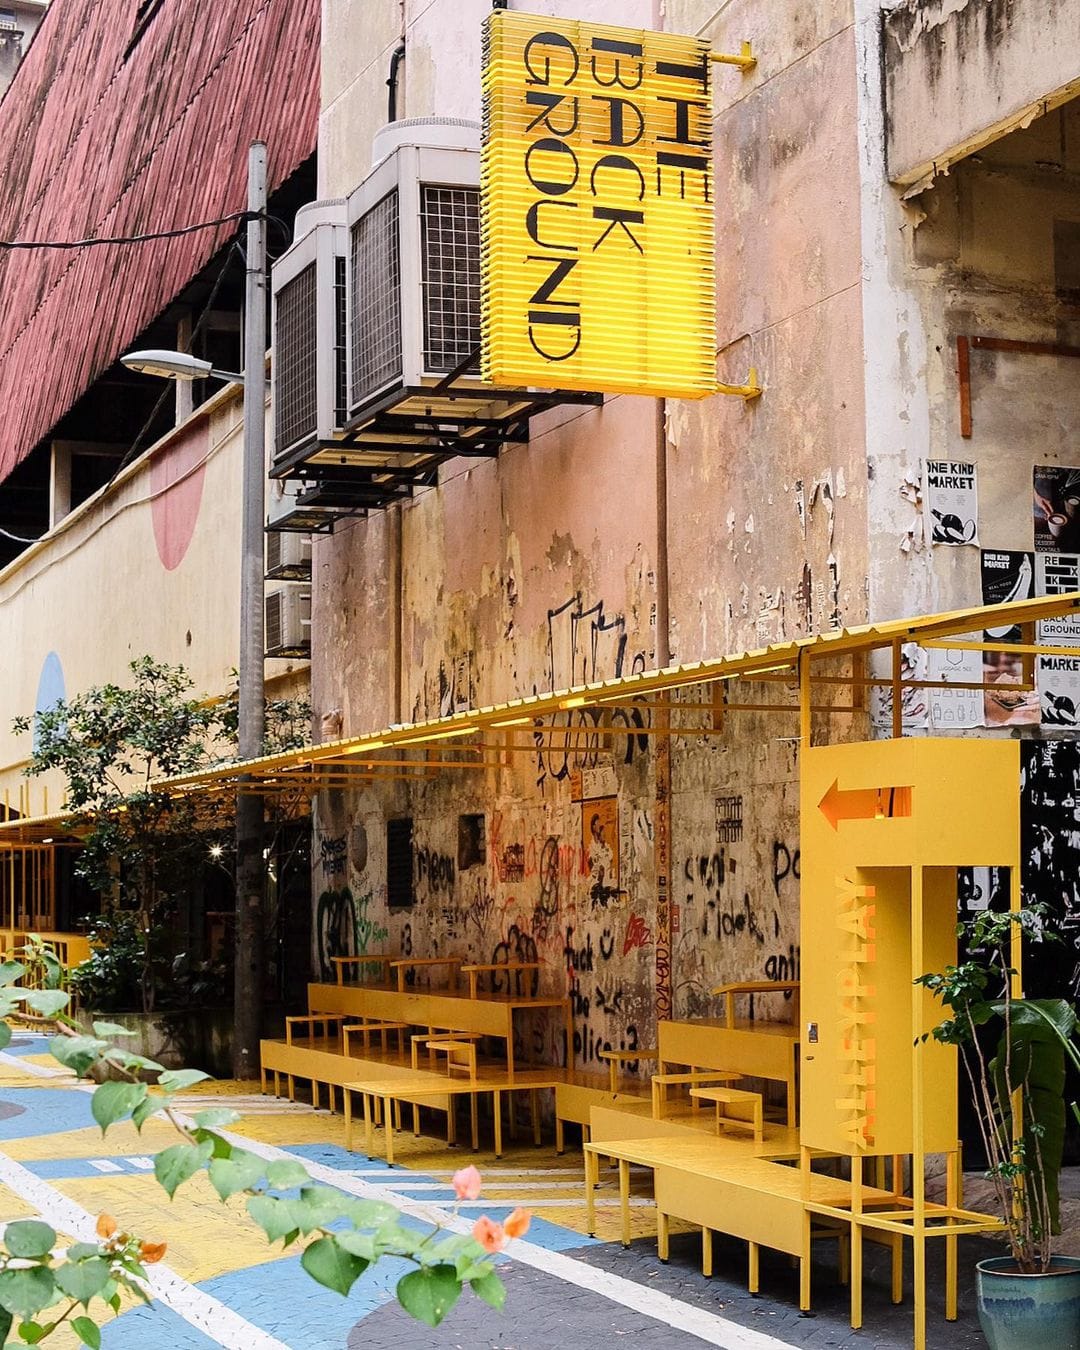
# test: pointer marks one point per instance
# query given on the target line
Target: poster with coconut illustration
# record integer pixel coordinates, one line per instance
(952, 501)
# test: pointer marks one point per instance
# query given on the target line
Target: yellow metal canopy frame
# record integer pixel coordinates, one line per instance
(809, 680)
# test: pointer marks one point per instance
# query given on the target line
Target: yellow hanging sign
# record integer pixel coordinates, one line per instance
(597, 220)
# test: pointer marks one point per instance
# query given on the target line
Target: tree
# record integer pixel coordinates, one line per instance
(142, 845)
(110, 744)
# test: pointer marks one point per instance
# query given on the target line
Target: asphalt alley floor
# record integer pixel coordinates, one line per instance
(222, 1285)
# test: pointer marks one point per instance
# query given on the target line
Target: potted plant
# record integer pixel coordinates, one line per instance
(1031, 1297)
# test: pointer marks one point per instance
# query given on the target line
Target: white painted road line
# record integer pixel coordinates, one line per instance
(34, 1070)
(661, 1307)
(199, 1309)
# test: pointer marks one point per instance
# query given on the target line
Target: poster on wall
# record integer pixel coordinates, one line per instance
(952, 501)
(955, 709)
(1050, 859)
(600, 849)
(1058, 677)
(1056, 508)
(1007, 576)
(914, 702)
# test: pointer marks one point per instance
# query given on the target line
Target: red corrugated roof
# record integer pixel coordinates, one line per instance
(96, 145)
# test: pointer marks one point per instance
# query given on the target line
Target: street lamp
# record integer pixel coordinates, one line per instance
(248, 986)
(176, 366)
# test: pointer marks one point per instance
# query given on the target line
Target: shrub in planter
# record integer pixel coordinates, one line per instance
(1032, 1296)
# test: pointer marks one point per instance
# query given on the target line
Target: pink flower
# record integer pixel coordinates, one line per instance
(491, 1236)
(517, 1225)
(466, 1183)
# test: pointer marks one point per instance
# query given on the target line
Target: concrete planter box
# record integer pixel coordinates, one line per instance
(179, 1040)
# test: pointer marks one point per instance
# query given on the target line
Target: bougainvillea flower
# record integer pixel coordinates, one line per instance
(466, 1183)
(517, 1225)
(106, 1226)
(151, 1252)
(490, 1235)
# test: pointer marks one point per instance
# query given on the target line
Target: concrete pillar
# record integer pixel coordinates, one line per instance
(59, 482)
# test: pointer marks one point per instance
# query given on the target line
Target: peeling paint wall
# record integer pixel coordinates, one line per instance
(960, 73)
(991, 249)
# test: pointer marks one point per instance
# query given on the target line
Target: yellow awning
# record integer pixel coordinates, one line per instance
(384, 751)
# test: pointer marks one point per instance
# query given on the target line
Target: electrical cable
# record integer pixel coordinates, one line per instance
(238, 216)
(15, 538)
(169, 391)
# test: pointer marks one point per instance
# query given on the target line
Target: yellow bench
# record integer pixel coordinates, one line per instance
(725, 1097)
(763, 1050)
(720, 1186)
(424, 1087)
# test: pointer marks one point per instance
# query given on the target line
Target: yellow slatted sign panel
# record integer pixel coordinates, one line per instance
(597, 217)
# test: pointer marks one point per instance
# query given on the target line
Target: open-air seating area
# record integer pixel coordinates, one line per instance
(723, 1157)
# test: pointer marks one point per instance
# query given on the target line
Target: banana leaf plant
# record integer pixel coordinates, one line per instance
(1018, 1081)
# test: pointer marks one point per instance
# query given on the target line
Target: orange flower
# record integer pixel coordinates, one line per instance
(491, 1236)
(151, 1252)
(466, 1183)
(106, 1226)
(517, 1225)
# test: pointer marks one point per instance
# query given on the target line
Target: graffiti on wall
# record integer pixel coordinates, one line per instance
(344, 926)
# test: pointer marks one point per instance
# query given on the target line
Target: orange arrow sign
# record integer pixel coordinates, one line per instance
(864, 803)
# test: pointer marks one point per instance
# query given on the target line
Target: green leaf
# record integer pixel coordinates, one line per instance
(219, 1147)
(29, 1238)
(490, 1288)
(5, 1035)
(83, 1280)
(87, 1332)
(214, 1117)
(330, 1265)
(111, 1029)
(150, 1104)
(46, 1002)
(237, 1173)
(77, 1052)
(370, 1213)
(277, 1218)
(25, 1292)
(319, 1206)
(286, 1174)
(359, 1244)
(1036, 1066)
(430, 1293)
(175, 1165)
(32, 1332)
(113, 1101)
(10, 971)
(82, 1251)
(176, 1080)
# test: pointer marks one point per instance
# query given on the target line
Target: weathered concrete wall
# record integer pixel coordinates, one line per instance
(991, 250)
(150, 566)
(961, 73)
(541, 570)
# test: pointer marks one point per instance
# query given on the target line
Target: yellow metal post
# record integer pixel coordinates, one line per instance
(745, 60)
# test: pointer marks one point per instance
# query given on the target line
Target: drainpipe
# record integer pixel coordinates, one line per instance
(663, 611)
(396, 59)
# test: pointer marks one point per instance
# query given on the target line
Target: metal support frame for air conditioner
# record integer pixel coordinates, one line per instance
(414, 396)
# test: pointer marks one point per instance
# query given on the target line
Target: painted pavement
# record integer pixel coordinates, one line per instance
(222, 1285)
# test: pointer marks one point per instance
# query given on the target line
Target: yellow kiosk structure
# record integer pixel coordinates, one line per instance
(883, 831)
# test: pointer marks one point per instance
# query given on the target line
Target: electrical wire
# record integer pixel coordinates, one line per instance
(169, 390)
(15, 538)
(13, 244)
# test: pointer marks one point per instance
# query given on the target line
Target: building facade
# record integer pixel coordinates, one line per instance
(896, 201)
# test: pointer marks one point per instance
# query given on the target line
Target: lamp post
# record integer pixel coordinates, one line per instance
(250, 871)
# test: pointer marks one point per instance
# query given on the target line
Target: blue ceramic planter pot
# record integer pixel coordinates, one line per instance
(1020, 1312)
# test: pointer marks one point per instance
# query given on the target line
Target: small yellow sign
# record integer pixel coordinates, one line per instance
(597, 217)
